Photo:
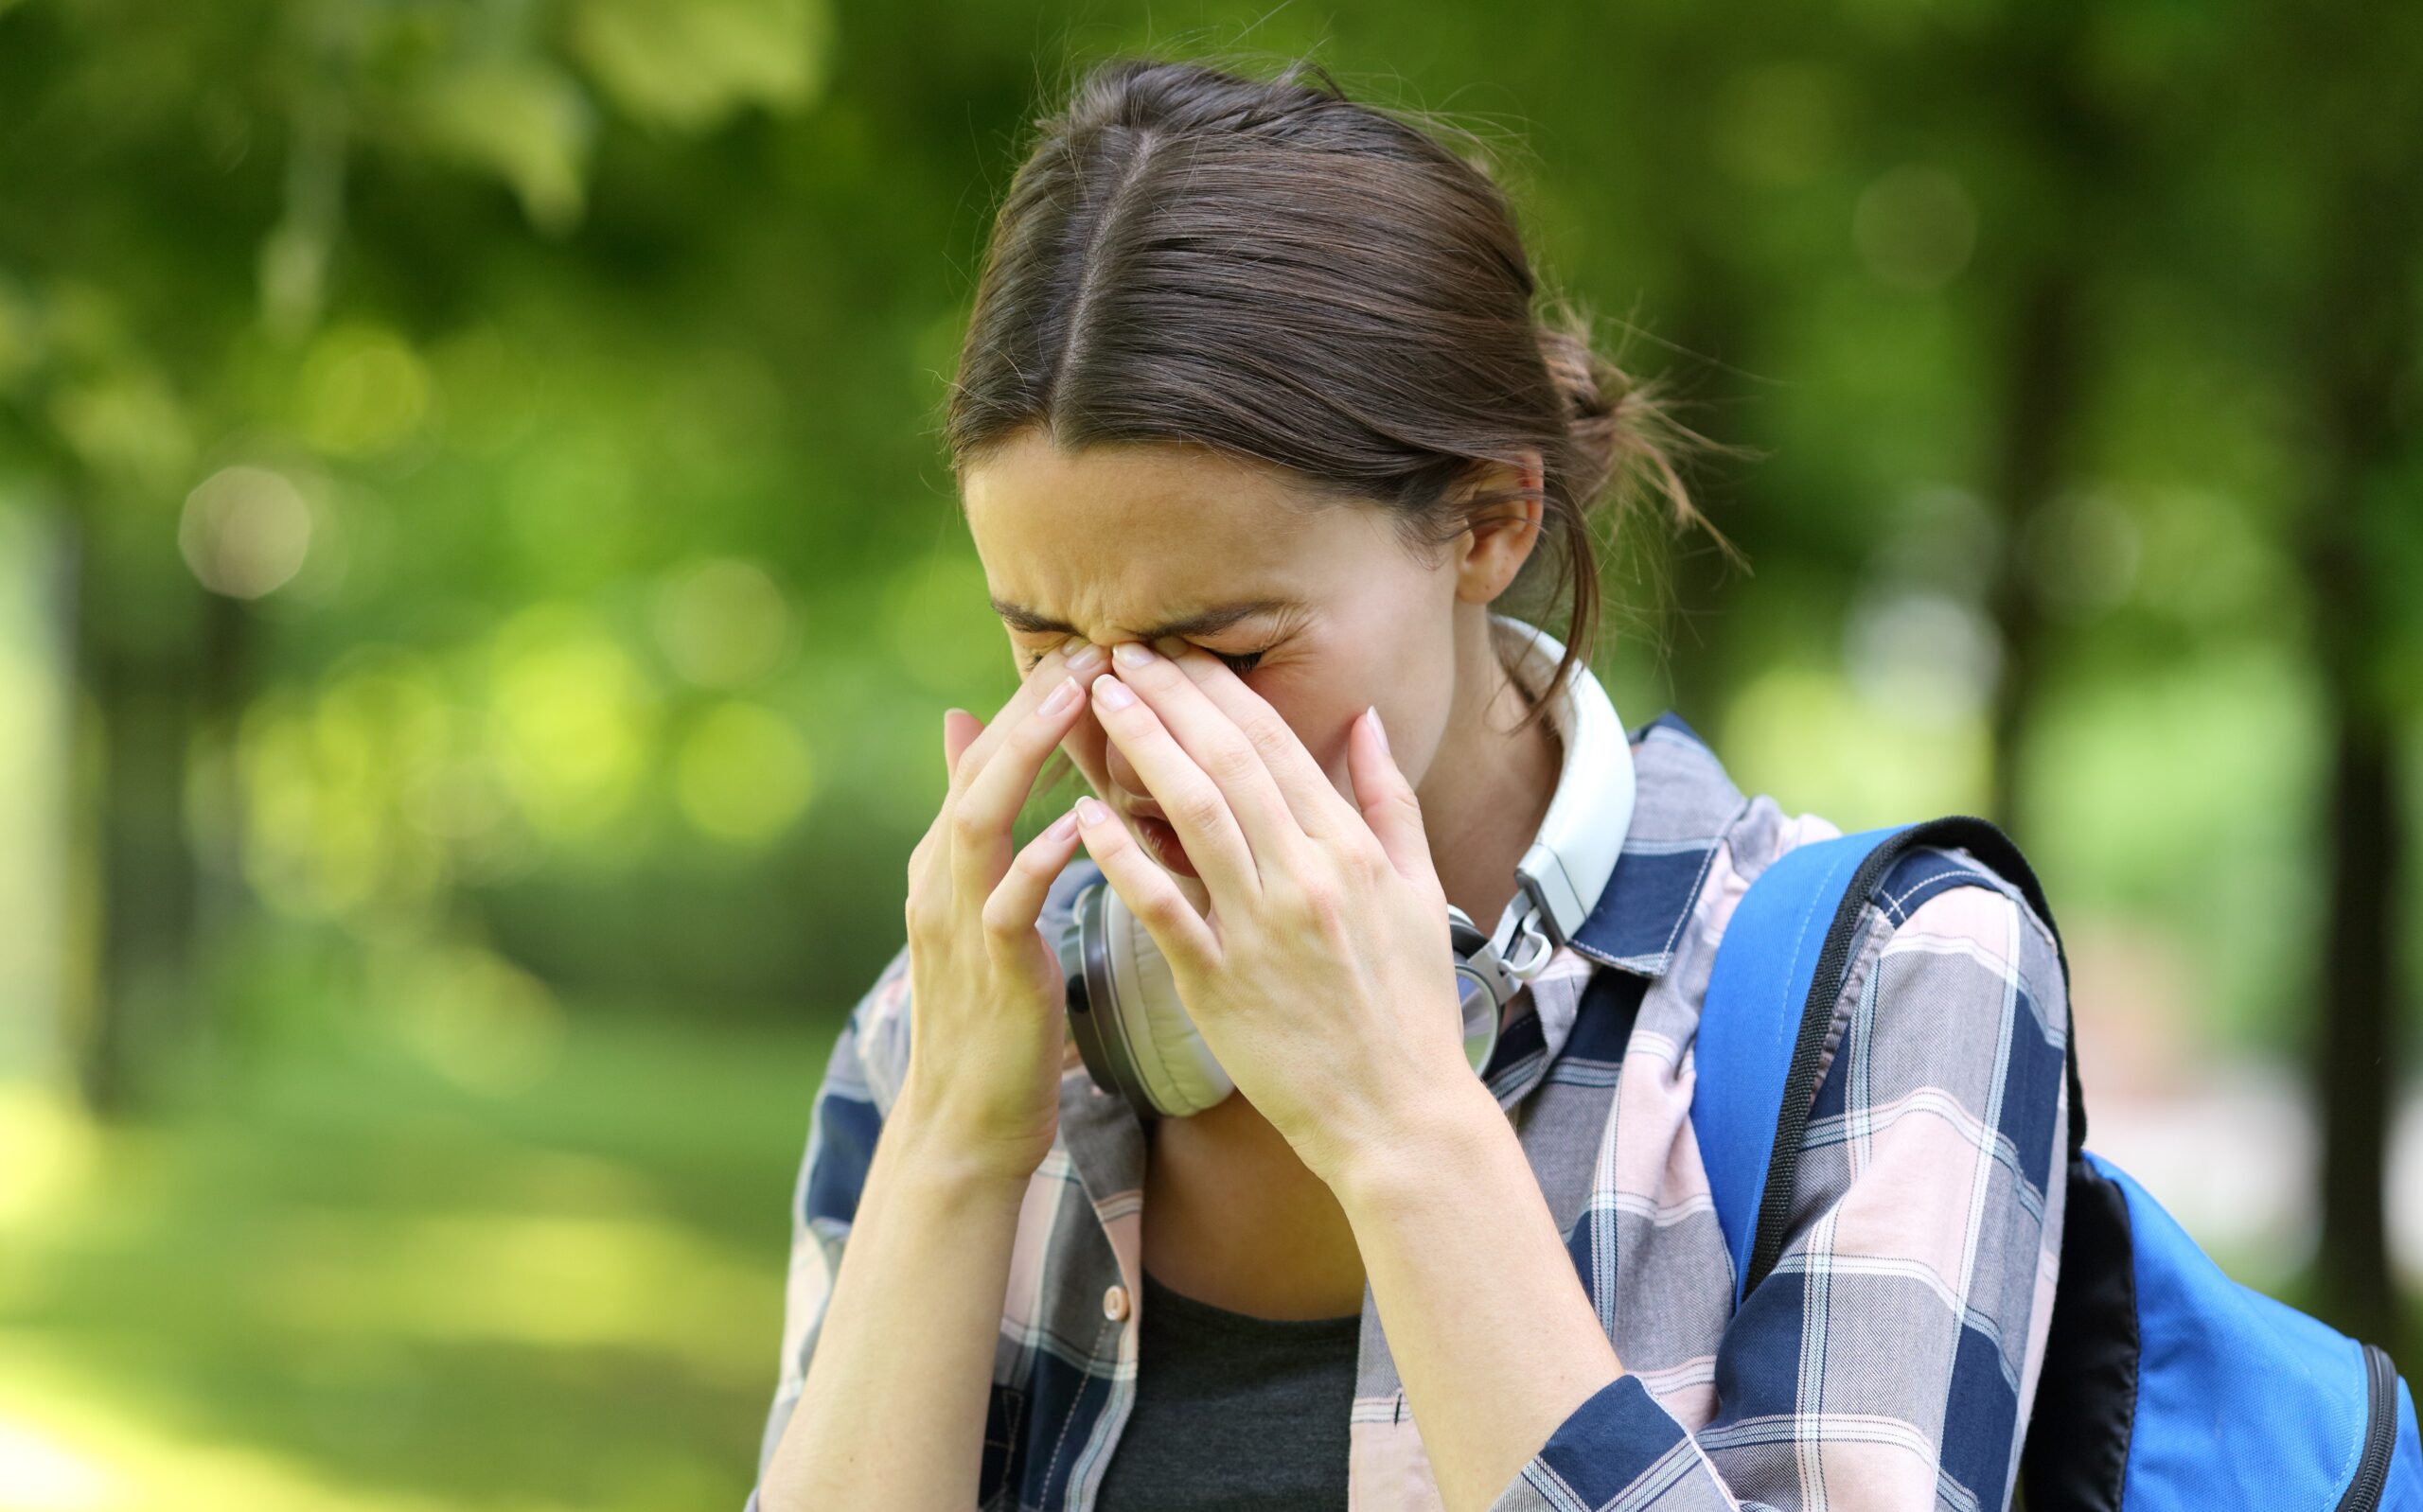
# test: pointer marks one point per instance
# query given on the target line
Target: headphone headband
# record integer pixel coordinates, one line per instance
(1565, 869)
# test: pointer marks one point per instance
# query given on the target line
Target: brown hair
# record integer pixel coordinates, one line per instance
(1187, 255)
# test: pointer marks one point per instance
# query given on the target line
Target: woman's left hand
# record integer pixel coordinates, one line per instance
(1322, 977)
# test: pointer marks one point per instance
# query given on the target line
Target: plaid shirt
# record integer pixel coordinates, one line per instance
(1887, 1363)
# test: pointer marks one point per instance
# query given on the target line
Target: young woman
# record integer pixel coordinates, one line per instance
(1255, 427)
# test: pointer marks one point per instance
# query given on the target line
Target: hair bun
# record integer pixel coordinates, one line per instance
(1627, 436)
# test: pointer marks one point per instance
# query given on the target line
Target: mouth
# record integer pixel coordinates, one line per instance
(1161, 838)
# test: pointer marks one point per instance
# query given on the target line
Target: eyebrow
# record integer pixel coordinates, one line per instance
(1207, 621)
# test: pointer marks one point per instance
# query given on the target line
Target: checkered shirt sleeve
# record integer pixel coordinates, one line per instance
(844, 1123)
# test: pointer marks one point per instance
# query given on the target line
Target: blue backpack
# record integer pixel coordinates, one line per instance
(2166, 1386)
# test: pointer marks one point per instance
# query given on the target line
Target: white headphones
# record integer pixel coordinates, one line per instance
(1122, 1002)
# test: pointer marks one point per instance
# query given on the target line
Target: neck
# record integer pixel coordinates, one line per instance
(1488, 788)
(1232, 1217)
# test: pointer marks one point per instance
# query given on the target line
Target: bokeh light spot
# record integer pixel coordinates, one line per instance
(1915, 228)
(1777, 124)
(1929, 656)
(573, 716)
(937, 616)
(480, 1019)
(723, 624)
(743, 773)
(363, 391)
(245, 531)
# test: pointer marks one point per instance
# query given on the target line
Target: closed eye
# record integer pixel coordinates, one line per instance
(1239, 662)
(1242, 662)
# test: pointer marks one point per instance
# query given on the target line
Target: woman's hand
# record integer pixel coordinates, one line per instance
(1322, 977)
(986, 1006)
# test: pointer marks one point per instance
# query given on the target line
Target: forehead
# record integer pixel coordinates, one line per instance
(1123, 537)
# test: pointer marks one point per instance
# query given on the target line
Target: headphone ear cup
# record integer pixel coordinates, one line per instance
(1483, 987)
(1481, 1010)
(1178, 1072)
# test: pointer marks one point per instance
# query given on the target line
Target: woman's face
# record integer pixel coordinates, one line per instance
(1323, 610)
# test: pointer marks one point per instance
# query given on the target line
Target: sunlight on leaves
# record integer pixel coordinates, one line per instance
(521, 119)
(50, 1147)
(688, 64)
(39, 1474)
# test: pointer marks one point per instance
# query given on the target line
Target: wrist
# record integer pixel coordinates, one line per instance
(1444, 1138)
(935, 1153)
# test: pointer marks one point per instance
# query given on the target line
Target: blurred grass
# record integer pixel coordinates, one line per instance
(353, 1284)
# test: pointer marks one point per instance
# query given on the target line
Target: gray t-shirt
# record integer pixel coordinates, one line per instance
(1233, 1413)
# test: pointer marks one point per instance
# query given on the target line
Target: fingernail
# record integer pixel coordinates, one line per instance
(1063, 699)
(1089, 812)
(1063, 827)
(1112, 692)
(1132, 653)
(1372, 712)
(1083, 656)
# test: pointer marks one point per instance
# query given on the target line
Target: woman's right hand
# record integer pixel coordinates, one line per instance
(988, 1028)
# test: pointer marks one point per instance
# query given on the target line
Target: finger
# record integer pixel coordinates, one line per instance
(1214, 743)
(1184, 935)
(983, 810)
(1015, 906)
(1319, 808)
(1075, 657)
(1389, 802)
(960, 730)
(1196, 808)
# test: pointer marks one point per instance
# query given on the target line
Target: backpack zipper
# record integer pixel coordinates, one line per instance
(2381, 1431)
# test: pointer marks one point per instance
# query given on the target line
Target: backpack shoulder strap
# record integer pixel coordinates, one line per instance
(1750, 1024)
(1770, 1002)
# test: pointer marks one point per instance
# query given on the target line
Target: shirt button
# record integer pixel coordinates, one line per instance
(1114, 1303)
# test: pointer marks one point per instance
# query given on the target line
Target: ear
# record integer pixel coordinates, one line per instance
(1501, 532)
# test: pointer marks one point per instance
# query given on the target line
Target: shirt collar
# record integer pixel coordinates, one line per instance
(1683, 805)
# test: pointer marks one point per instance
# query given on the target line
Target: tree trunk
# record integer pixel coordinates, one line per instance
(2359, 998)
(2040, 405)
(2360, 341)
(135, 735)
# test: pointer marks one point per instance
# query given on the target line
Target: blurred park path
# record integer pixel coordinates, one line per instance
(2229, 1142)
(2233, 1156)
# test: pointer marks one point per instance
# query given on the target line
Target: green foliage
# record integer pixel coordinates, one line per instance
(687, 64)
